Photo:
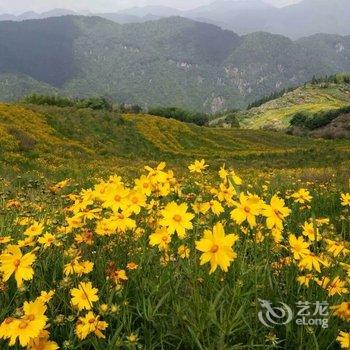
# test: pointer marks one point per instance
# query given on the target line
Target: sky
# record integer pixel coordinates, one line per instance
(20, 6)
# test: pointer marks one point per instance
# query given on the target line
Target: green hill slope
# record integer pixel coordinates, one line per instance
(56, 140)
(276, 114)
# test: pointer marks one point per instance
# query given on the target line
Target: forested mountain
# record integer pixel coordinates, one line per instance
(171, 61)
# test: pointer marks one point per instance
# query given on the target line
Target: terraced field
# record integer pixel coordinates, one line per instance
(53, 140)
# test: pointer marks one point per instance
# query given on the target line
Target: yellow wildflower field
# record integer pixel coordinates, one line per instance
(202, 261)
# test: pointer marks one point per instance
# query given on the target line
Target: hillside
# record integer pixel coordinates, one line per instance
(276, 114)
(56, 140)
(172, 61)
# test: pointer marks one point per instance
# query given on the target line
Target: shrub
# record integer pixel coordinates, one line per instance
(232, 119)
(50, 100)
(200, 119)
(317, 120)
(133, 109)
(96, 103)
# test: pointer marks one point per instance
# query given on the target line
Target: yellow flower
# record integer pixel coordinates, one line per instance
(302, 196)
(90, 323)
(223, 173)
(86, 237)
(74, 222)
(161, 238)
(276, 212)
(217, 248)
(298, 247)
(132, 338)
(336, 248)
(135, 201)
(336, 286)
(13, 262)
(216, 207)
(45, 297)
(104, 308)
(236, 179)
(197, 166)
(177, 219)
(47, 240)
(183, 251)
(116, 199)
(310, 262)
(305, 280)
(42, 342)
(345, 199)
(84, 296)
(119, 276)
(311, 231)
(132, 266)
(226, 193)
(276, 235)
(342, 310)
(123, 222)
(5, 239)
(201, 207)
(36, 229)
(344, 339)
(246, 210)
(78, 267)
(27, 327)
(144, 185)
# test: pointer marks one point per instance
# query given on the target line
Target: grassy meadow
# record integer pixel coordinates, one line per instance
(115, 234)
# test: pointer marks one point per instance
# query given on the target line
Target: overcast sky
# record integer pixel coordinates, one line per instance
(19, 6)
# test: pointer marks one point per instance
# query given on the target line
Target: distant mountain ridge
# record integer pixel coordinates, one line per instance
(35, 15)
(172, 61)
(305, 18)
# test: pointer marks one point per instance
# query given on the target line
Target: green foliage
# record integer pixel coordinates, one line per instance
(317, 120)
(95, 103)
(232, 119)
(341, 78)
(200, 119)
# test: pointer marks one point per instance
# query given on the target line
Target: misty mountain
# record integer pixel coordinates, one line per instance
(295, 21)
(34, 15)
(171, 61)
(305, 18)
(159, 11)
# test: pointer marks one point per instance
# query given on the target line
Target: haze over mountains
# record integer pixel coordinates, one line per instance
(171, 61)
(241, 16)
